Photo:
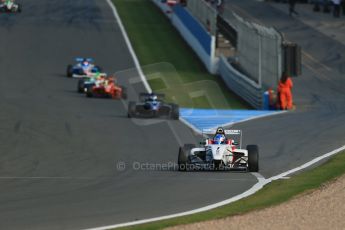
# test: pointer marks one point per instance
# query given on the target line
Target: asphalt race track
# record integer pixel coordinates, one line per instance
(59, 150)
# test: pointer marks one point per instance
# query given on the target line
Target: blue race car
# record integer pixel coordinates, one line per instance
(152, 105)
(83, 68)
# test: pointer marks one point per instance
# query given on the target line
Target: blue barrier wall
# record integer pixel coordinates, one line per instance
(194, 27)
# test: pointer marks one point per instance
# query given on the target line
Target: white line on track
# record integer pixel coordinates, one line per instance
(46, 178)
(97, 178)
(256, 187)
(129, 45)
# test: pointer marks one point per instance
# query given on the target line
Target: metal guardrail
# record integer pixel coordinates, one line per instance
(244, 87)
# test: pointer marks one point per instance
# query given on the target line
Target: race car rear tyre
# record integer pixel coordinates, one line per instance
(69, 71)
(81, 86)
(89, 92)
(19, 9)
(183, 157)
(131, 109)
(175, 112)
(253, 158)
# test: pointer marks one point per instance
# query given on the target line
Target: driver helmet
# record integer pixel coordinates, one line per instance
(220, 130)
(219, 139)
(85, 62)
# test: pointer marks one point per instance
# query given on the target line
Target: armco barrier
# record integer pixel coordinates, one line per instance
(194, 34)
(246, 88)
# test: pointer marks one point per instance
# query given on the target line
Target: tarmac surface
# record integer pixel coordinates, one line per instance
(61, 153)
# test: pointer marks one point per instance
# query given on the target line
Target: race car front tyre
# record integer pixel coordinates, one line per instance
(253, 158)
(81, 86)
(217, 164)
(131, 109)
(175, 112)
(19, 9)
(69, 71)
(183, 157)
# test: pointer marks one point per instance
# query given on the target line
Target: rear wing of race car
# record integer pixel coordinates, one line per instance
(226, 131)
(143, 96)
(80, 59)
(230, 132)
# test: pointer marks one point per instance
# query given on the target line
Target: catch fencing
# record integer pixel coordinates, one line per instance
(259, 52)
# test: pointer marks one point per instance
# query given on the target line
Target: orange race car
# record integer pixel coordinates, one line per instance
(107, 88)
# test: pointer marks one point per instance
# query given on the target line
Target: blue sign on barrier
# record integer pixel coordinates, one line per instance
(194, 27)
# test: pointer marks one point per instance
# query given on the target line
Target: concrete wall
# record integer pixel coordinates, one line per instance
(194, 33)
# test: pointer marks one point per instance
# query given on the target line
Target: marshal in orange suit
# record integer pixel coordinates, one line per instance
(284, 90)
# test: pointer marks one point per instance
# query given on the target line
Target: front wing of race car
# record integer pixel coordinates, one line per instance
(192, 158)
(230, 160)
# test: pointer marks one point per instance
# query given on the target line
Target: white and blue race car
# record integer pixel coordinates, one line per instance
(220, 152)
(83, 68)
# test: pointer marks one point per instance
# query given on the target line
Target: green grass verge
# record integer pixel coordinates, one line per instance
(272, 194)
(156, 43)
